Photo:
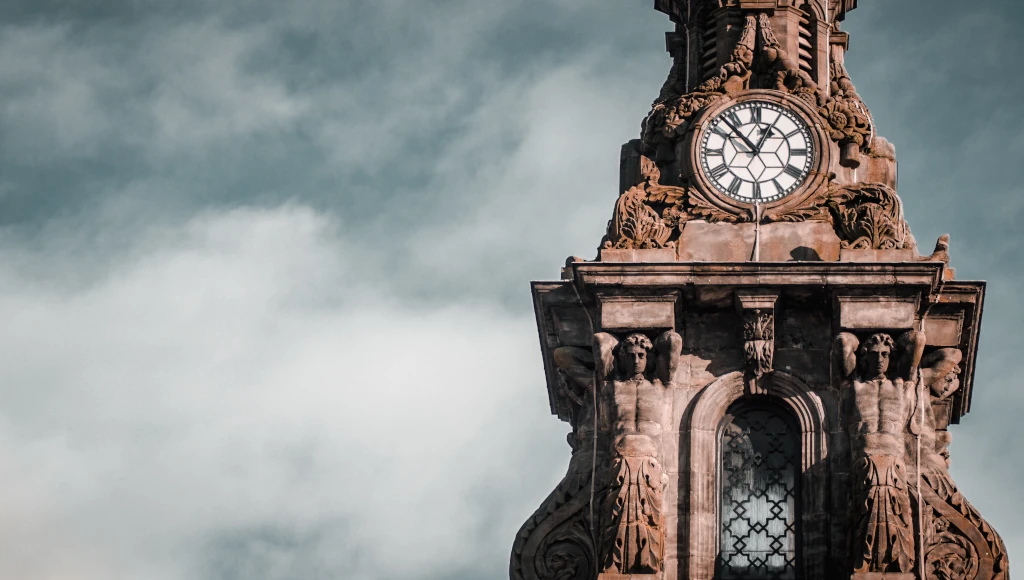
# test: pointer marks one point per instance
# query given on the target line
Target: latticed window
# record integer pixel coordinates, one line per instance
(760, 481)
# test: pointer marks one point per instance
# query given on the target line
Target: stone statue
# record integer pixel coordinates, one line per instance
(632, 534)
(900, 464)
(612, 523)
(876, 412)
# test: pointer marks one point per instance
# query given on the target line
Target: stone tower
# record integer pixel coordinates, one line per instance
(759, 368)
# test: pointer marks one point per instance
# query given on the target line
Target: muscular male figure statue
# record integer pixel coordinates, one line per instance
(876, 413)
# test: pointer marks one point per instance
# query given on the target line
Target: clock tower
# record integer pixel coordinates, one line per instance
(759, 368)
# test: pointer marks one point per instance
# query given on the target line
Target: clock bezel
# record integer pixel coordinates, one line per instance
(817, 173)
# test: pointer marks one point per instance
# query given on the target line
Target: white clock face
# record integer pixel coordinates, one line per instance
(756, 151)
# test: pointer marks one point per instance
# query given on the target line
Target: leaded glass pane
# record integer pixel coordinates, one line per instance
(760, 472)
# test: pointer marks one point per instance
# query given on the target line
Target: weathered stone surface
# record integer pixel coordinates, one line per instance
(618, 255)
(722, 242)
(944, 330)
(624, 313)
(869, 255)
(867, 312)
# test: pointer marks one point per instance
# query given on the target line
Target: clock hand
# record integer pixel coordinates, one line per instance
(765, 137)
(741, 136)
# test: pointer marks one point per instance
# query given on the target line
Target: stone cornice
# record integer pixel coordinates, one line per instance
(778, 274)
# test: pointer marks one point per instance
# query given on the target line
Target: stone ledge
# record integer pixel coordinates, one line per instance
(652, 255)
(878, 256)
(782, 274)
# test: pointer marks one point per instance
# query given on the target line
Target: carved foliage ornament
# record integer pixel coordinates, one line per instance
(866, 216)
(959, 543)
(668, 118)
(770, 68)
(759, 340)
(848, 117)
(869, 217)
(634, 534)
(776, 70)
(636, 223)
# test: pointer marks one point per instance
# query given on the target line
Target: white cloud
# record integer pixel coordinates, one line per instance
(235, 377)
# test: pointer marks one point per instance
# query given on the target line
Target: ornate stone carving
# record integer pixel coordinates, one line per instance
(759, 341)
(875, 410)
(959, 543)
(766, 67)
(890, 420)
(632, 526)
(704, 208)
(636, 224)
(776, 70)
(757, 313)
(874, 497)
(556, 543)
(849, 121)
(613, 523)
(869, 216)
(866, 216)
(668, 118)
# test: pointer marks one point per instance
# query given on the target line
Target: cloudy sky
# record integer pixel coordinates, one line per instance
(264, 265)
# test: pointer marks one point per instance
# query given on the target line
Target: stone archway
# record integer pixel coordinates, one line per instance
(698, 469)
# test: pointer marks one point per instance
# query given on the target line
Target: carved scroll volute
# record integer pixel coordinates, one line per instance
(757, 314)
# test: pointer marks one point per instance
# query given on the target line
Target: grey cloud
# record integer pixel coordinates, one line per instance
(245, 248)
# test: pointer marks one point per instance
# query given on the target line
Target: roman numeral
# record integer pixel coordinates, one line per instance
(717, 130)
(792, 171)
(757, 190)
(719, 171)
(793, 132)
(734, 119)
(755, 113)
(734, 187)
(778, 186)
(719, 152)
(799, 152)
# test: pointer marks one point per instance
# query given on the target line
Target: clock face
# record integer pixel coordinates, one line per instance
(756, 151)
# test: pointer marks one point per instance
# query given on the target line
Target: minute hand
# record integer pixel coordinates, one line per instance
(753, 149)
(765, 137)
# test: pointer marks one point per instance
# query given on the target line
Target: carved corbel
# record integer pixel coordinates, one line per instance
(757, 313)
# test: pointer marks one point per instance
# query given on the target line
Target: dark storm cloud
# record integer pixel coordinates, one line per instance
(278, 250)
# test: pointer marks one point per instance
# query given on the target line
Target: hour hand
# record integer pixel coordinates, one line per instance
(753, 148)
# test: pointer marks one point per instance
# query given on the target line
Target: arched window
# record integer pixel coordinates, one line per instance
(759, 471)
